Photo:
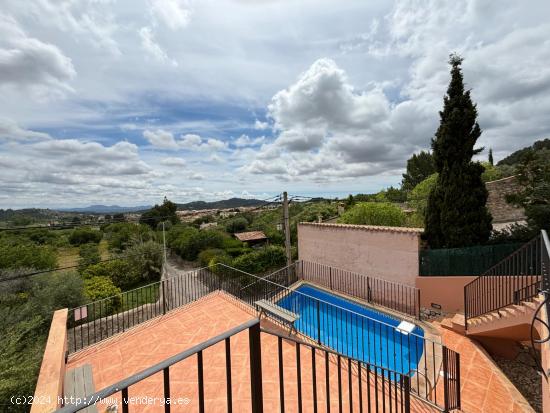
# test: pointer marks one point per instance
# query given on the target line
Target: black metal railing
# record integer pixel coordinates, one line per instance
(375, 341)
(98, 320)
(340, 325)
(395, 296)
(382, 389)
(513, 280)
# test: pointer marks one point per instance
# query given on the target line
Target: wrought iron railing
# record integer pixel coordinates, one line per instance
(349, 331)
(395, 296)
(388, 390)
(513, 280)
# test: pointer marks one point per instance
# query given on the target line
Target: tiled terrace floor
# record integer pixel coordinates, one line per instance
(484, 388)
(150, 343)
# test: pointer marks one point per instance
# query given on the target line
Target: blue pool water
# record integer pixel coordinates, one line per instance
(354, 330)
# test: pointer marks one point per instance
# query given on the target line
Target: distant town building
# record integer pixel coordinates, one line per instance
(207, 225)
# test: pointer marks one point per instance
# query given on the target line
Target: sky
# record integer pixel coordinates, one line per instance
(127, 101)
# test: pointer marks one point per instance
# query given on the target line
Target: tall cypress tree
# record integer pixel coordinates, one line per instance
(456, 214)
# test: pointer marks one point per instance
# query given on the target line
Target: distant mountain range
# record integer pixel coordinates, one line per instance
(194, 205)
(105, 209)
(223, 204)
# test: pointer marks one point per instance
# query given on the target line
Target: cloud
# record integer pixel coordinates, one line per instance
(150, 45)
(177, 162)
(10, 130)
(175, 14)
(190, 141)
(160, 138)
(259, 125)
(30, 63)
(245, 140)
(196, 143)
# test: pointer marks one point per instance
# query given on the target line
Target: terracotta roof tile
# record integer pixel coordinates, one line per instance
(367, 227)
(250, 236)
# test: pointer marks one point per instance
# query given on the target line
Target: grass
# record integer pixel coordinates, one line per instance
(68, 256)
(140, 295)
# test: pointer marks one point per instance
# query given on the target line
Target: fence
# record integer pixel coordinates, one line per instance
(383, 388)
(371, 339)
(514, 279)
(395, 296)
(463, 261)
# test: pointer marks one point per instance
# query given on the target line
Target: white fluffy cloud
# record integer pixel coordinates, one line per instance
(245, 140)
(160, 138)
(30, 63)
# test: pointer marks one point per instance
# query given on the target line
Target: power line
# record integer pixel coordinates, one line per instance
(31, 274)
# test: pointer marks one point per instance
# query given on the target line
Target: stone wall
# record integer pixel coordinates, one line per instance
(501, 210)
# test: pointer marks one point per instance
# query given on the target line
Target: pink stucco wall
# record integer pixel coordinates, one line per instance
(390, 253)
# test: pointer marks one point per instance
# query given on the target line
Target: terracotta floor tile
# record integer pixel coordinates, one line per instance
(139, 348)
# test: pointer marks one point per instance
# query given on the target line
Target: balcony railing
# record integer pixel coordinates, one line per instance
(515, 279)
(388, 390)
(369, 340)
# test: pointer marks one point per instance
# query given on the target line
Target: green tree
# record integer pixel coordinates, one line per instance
(85, 235)
(121, 273)
(490, 157)
(490, 172)
(418, 197)
(456, 214)
(236, 225)
(89, 255)
(419, 167)
(374, 213)
(146, 259)
(164, 212)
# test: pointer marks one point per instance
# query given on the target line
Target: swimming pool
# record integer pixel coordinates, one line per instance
(354, 330)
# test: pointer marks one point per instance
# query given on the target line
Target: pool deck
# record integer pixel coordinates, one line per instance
(128, 353)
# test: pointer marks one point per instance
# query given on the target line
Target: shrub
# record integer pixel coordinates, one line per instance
(236, 225)
(122, 235)
(418, 198)
(15, 255)
(206, 256)
(121, 273)
(371, 213)
(261, 260)
(98, 288)
(190, 241)
(146, 260)
(89, 255)
(81, 236)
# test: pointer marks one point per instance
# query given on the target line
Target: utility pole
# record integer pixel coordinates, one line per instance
(287, 229)
(164, 242)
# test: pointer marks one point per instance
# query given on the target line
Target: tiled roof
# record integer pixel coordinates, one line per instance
(367, 227)
(250, 236)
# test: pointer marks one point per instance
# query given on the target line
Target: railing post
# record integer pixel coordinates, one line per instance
(163, 298)
(318, 322)
(330, 276)
(255, 368)
(407, 394)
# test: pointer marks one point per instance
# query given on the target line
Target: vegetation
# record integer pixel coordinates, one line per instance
(26, 308)
(159, 213)
(371, 213)
(85, 235)
(261, 260)
(456, 214)
(121, 235)
(238, 224)
(17, 253)
(533, 173)
(418, 198)
(89, 255)
(100, 287)
(517, 156)
(419, 167)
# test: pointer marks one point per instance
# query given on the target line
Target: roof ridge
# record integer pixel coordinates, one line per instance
(380, 228)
